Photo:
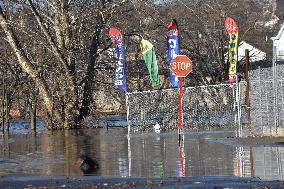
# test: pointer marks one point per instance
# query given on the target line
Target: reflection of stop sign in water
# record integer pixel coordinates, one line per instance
(181, 66)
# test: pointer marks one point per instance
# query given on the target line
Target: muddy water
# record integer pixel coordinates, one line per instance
(137, 155)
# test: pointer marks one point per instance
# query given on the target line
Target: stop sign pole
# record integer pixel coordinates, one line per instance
(181, 66)
(180, 118)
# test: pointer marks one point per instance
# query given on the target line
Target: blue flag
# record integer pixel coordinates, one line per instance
(173, 49)
(117, 41)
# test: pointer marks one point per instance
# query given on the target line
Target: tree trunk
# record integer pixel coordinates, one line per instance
(33, 107)
(27, 66)
(3, 100)
(87, 92)
(7, 111)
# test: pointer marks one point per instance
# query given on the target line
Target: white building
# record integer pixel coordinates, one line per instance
(254, 53)
(278, 45)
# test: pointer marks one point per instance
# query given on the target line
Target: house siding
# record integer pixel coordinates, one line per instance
(278, 45)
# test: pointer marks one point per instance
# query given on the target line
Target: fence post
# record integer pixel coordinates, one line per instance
(275, 86)
(127, 113)
(237, 108)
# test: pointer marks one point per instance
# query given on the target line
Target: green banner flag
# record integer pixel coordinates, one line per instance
(149, 56)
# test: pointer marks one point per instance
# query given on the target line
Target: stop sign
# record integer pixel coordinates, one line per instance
(181, 66)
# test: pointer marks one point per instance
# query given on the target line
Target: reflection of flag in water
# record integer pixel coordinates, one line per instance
(232, 29)
(117, 41)
(150, 60)
(173, 49)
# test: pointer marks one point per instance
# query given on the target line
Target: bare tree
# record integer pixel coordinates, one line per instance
(61, 31)
(64, 48)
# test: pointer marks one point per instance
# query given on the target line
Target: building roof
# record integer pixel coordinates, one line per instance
(254, 53)
(280, 33)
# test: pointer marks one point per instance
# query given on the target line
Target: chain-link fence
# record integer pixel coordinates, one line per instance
(260, 111)
(204, 107)
(267, 98)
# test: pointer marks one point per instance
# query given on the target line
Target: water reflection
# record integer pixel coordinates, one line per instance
(181, 156)
(137, 155)
(263, 162)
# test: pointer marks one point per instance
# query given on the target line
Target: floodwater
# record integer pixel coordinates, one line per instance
(136, 155)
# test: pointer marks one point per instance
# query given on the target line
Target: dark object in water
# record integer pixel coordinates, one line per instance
(87, 165)
(279, 143)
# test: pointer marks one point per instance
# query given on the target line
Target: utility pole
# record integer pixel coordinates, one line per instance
(248, 91)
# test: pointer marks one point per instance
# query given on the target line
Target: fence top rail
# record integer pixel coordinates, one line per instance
(185, 88)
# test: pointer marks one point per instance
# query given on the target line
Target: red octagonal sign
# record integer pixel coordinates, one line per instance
(181, 66)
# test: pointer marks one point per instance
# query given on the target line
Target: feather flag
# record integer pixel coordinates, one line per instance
(149, 56)
(117, 41)
(232, 29)
(173, 49)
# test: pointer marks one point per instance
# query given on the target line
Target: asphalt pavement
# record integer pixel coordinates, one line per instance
(204, 182)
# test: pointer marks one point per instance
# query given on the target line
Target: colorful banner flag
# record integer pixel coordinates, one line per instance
(173, 49)
(149, 56)
(117, 41)
(232, 29)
